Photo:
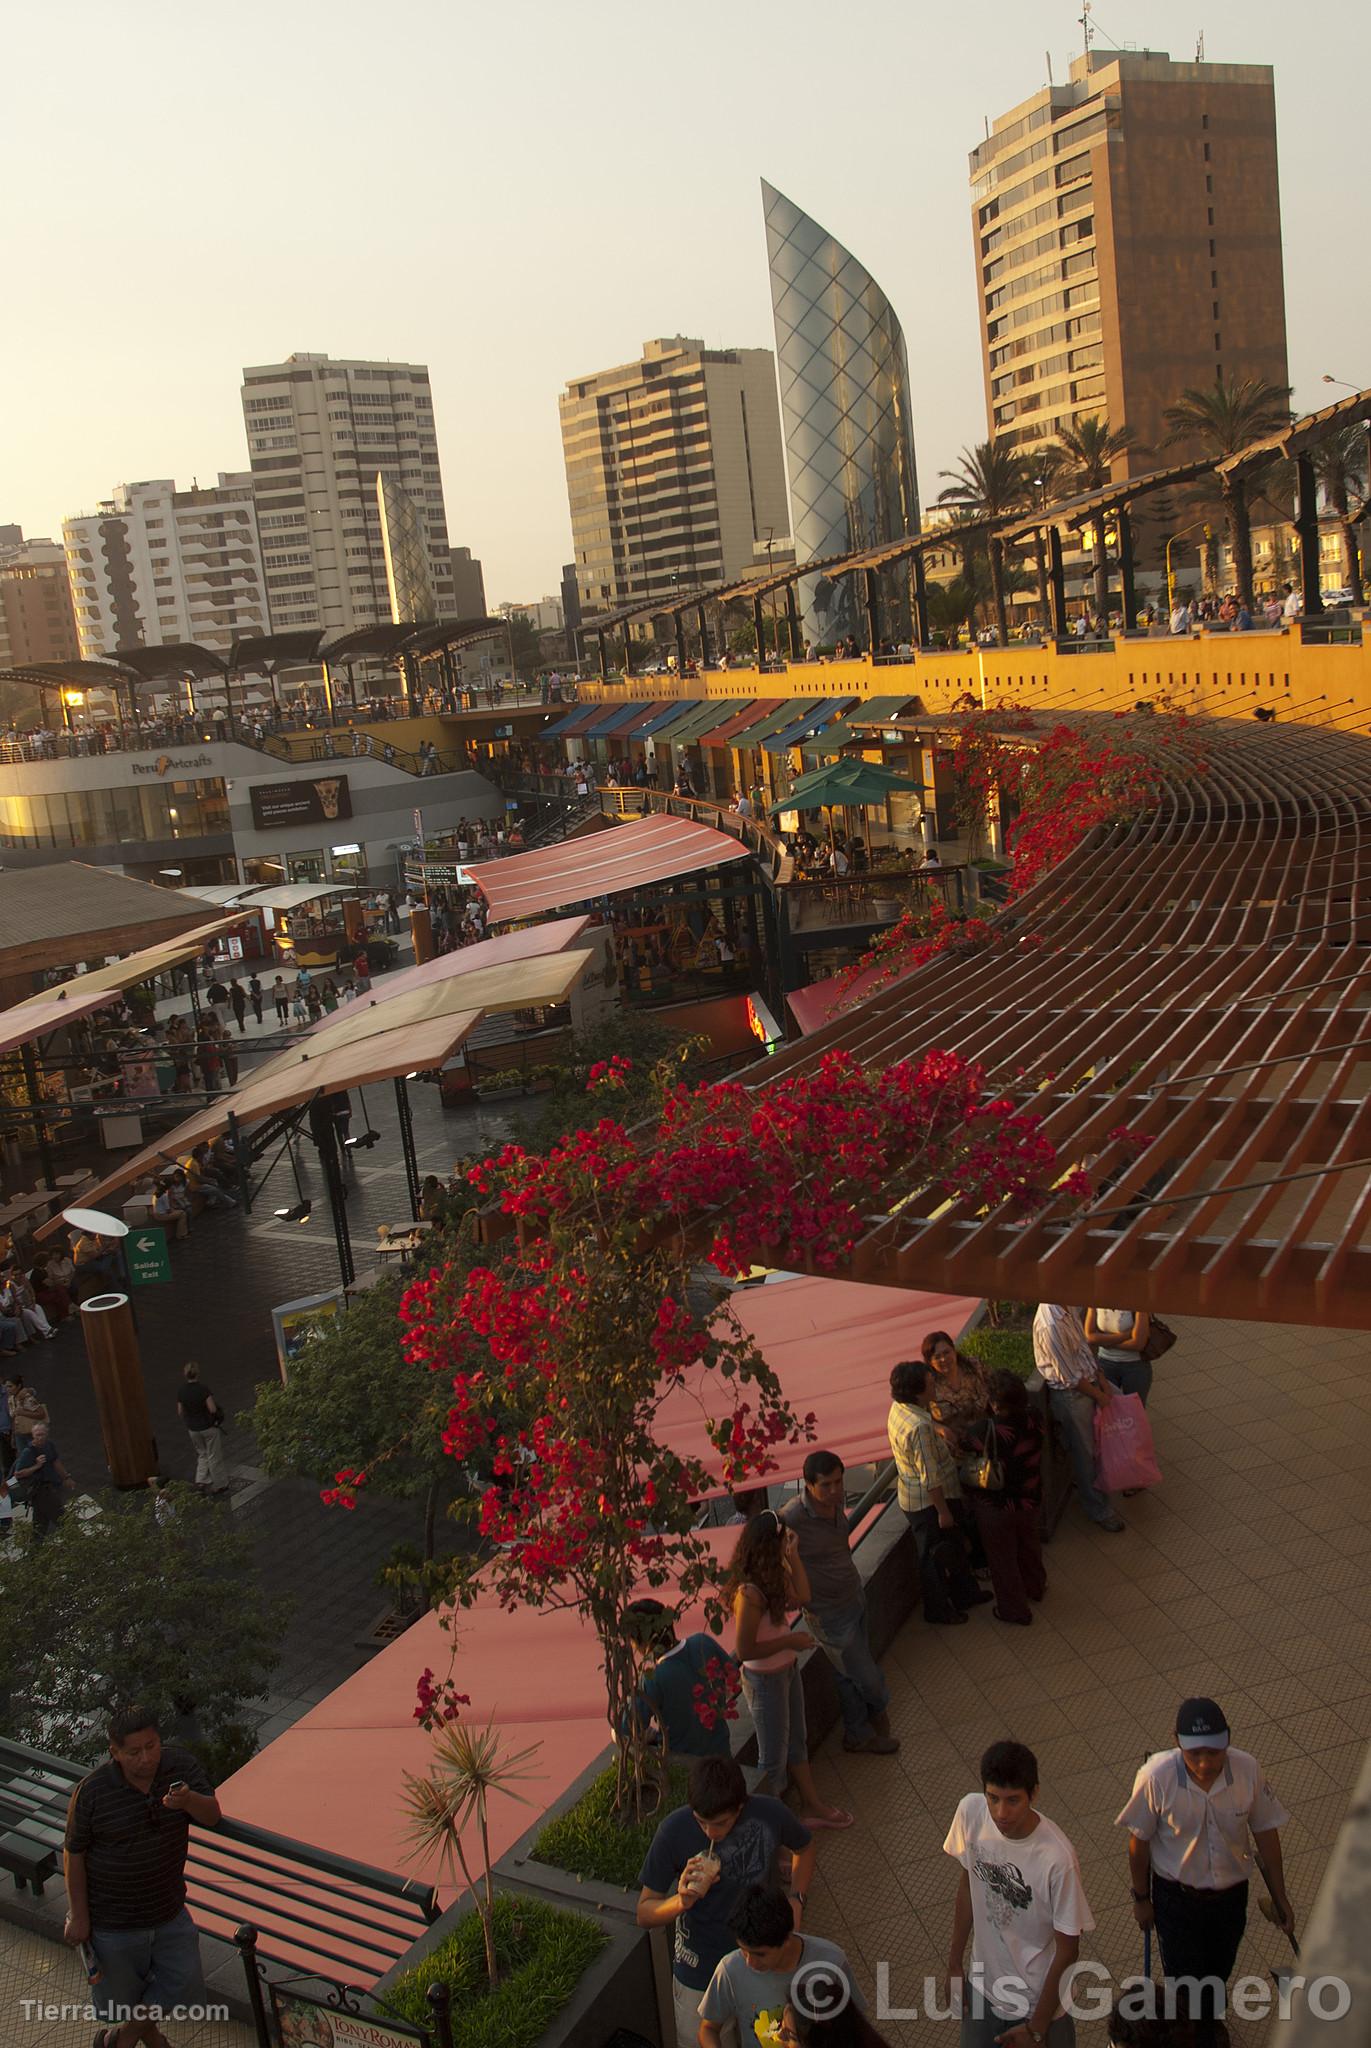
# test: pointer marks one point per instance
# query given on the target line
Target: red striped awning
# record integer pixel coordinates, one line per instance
(654, 849)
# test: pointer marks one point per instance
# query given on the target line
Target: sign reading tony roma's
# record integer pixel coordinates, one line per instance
(316, 802)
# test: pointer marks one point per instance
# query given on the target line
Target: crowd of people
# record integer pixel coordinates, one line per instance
(730, 1873)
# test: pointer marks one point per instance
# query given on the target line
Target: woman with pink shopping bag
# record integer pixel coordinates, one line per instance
(1124, 1456)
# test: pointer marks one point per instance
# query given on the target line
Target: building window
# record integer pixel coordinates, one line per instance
(1211, 216)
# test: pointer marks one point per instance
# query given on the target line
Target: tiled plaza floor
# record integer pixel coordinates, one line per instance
(36, 1973)
(1244, 1577)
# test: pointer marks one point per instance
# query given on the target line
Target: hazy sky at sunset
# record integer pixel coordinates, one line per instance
(519, 192)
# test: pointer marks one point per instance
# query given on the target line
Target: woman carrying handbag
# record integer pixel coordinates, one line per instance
(1119, 1337)
(1008, 1500)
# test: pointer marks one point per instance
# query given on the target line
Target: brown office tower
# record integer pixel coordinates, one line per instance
(1128, 245)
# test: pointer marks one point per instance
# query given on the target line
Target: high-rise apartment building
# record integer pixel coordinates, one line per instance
(845, 402)
(153, 566)
(319, 434)
(468, 585)
(674, 470)
(36, 619)
(1128, 245)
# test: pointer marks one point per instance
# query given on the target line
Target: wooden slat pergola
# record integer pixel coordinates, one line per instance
(1201, 974)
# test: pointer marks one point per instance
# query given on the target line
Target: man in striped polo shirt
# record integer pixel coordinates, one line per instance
(128, 1830)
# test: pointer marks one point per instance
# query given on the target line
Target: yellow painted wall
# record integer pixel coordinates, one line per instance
(1221, 674)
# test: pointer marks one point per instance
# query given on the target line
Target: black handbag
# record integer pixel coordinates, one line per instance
(1160, 1338)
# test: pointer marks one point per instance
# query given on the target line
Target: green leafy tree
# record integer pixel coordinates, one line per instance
(1219, 422)
(122, 1606)
(1090, 448)
(354, 1404)
(525, 647)
(644, 1050)
(1341, 467)
(990, 482)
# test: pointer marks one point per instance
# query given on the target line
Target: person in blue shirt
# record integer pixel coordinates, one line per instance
(685, 1686)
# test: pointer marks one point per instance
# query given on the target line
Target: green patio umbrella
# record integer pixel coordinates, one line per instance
(860, 784)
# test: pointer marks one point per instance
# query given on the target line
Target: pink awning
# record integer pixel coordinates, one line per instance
(632, 856)
(832, 1344)
(819, 1002)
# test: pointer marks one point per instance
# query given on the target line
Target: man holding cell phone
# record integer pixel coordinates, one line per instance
(128, 1831)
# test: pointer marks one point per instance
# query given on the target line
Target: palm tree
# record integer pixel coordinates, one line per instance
(469, 1765)
(1222, 421)
(1089, 451)
(1341, 467)
(990, 482)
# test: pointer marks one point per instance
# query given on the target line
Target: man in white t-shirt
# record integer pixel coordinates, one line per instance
(1021, 1900)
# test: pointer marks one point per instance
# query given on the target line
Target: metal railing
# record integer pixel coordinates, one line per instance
(314, 1910)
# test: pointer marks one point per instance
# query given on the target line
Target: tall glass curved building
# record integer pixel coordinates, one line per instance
(844, 380)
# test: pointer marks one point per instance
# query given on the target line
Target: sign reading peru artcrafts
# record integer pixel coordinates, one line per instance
(316, 802)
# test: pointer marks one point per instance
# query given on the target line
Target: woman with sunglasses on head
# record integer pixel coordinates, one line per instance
(765, 1581)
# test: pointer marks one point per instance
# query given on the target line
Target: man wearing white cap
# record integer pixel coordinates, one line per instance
(1189, 1855)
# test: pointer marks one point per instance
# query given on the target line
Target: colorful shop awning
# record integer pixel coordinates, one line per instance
(772, 721)
(615, 716)
(721, 735)
(632, 856)
(857, 727)
(810, 722)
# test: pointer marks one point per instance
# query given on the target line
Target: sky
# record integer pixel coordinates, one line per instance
(520, 193)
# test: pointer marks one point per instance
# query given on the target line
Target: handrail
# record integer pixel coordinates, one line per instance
(307, 1896)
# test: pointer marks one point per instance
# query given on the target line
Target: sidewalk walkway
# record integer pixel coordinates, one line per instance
(35, 1974)
(1243, 1577)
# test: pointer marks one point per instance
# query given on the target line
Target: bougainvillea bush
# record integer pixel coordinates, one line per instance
(595, 1306)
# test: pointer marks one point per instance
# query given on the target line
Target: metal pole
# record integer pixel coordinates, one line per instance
(920, 602)
(704, 636)
(678, 619)
(324, 1132)
(245, 1941)
(1307, 527)
(792, 613)
(240, 1162)
(604, 654)
(759, 628)
(871, 595)
(39, 1120)
(406, 1122)
(439, 1996)
(1130, 596)
(1057, 577)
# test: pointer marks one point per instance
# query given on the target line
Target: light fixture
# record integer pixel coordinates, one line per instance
(170, 871)
(299, 1214)
(364, 1143)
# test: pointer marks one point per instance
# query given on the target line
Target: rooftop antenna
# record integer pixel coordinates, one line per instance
(1088, 27)
(1050, 79)
(1199, 48)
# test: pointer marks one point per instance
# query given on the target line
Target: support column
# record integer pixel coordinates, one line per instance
(40, 1122)
(1056, 576)
(421, 931)
(116, 1374)
(1130, 596)
(324, 1132)
(604, 654)
(678, 620)
(871, 593)
(1307, 527)
(759, 628)
(792, 619)
(406, 1122)
(704, 636)
(921, 633)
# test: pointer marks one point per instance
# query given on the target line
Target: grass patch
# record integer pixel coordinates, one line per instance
(542, 1954)
(996, 1348)
(590, 1841)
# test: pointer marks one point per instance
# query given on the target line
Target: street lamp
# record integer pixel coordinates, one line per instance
(1343, 381)
(1170, 576)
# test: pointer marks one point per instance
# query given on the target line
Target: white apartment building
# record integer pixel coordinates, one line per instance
(319, 434)
(675, 471)
(153, 566)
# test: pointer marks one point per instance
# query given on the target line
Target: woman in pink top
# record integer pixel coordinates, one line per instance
(765, 1580)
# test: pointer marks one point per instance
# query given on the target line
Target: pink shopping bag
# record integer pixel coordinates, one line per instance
(1123, 1446)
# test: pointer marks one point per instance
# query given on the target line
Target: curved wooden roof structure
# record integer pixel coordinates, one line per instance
(1202, 974)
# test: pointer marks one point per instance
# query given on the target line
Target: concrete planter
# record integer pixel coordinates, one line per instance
(618, 1990)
